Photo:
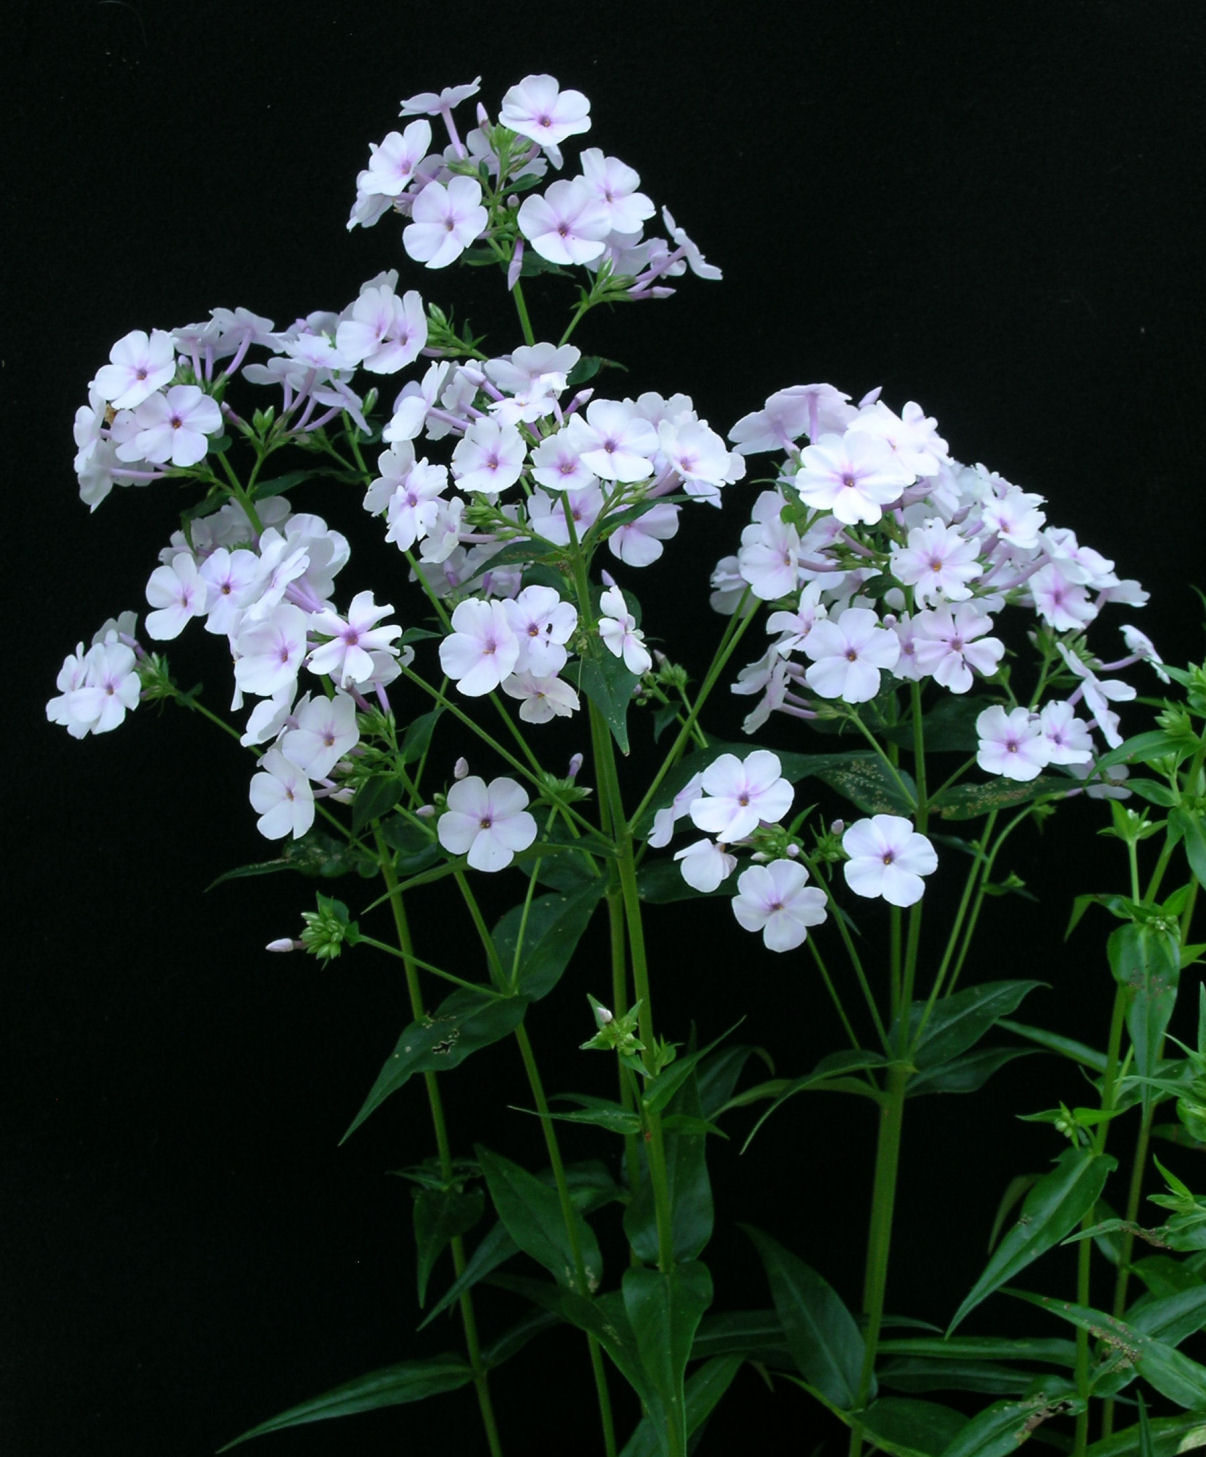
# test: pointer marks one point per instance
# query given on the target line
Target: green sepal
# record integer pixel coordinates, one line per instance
(462, 1024)
(552, 928)
(389, 1386)
(1132, 1352)
(823, 1337)
(531, 1212)
(1055, 1204)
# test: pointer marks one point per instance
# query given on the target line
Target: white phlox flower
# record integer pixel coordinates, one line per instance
(848, 654)
(565, 224)
(281, 795)
(620, 634)
(1012, 743)
(96, 689)
(854, 476)
(541, 699)
(482, 649)
(705, 865)
(488, 823)
(776, 900)
(139, 365)
(323, 730)
(444, 221)
(538, 109)
(888, 858)
(349, 655)
(543, 624)
(739, 795)
(178, 593)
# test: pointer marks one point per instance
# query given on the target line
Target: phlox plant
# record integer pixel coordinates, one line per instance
(930, 665)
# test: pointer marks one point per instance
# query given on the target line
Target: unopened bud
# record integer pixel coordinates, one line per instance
(283, 943)
(575, 767)
(426, 811)
(460, 769)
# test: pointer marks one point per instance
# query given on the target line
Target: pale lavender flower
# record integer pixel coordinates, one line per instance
(852, 475)
(538, 109)
(487, 823)
(481, 650)
(138, 367)
(347, 657)
(282, 797)
(1012, 743)
(775, 900)
(565, 225)
(445, 220)
(887, 858)
(620, 634)
(740, 795)
(848, 653)
(705, 865)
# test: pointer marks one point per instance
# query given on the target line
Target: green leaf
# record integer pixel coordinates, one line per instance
(514, 1340)
(664, 1309)
(966, 1074)
(316, 853)
(389, 1386)
(555, 924)
(1190, 826)
(1142, 749)
(755, 1335)
(600, 1113)
(1162, 1366)
(418, 735)
(439, 1216)
(903, 1425)
(1145, 959)
(1066, 1046)
(925, 1373)
(591, 1185)
(1167, 1437)
(1172, 1318)
(831, 1074)
(970, 801)
(462, 1024)
(822, 1335)
(959, 1021)
(531, 1212)
(983, 1348)
(871, 786)
(719, 1073)
(1054, 1206)
(375, 798)
(690, 1190)
(609, 685)
(703, 1390)
(660, 882)
(1000, 1429)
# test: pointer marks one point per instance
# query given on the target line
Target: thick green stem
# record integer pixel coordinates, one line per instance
(879, 1238)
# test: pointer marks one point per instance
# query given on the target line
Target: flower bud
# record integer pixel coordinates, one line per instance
(575, 767)
(283, 943)
(460, 769)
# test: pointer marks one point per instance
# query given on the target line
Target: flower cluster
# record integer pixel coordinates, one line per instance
(886, 562)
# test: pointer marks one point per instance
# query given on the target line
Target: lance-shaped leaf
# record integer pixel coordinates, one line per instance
(1000, 1429)
(1190, 825)
(664, 1309)
(1054, 1206)
(552, 928)
(1159, 1437)
(966, 1074)
(958, 1022)
(439, 1216)
(1066, 1046)
(757, 1335)
(533, 1216)
(1170, 1371)
(390, 1386)
(970, 801)
(687, 1178)
(823, 1337)
(609, 685)
(703, 1390)
(1171, 1318)
(1145, 958)
(906, 1427)
(463, 1023)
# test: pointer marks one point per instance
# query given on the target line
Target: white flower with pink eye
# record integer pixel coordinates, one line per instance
(488, 823)
(888, 857)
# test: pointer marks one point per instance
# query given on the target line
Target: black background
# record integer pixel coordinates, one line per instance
(998, 213)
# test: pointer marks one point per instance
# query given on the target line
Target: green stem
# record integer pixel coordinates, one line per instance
(581, 1275)
(879, 1238)
(481, 1382)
